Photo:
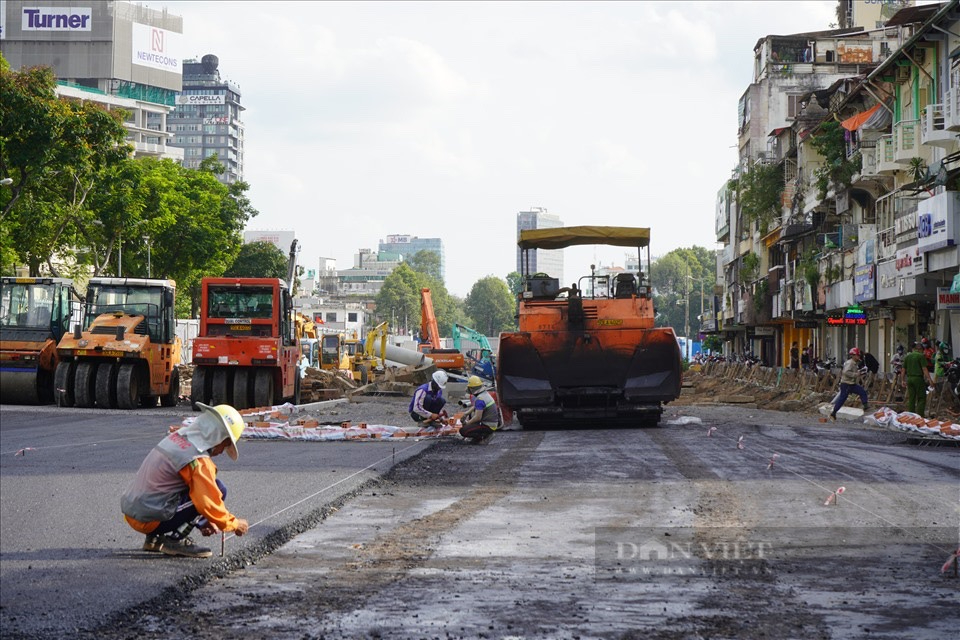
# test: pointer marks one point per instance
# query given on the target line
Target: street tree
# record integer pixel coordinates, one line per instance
(426, 262)
(398, 301)
(260, 259)
(491, 306)
(515, 282)
(57, 151)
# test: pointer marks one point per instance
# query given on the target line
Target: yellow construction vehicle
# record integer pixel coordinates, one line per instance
(367, 363)
(309, 339)
(126, 353)
(333, 353)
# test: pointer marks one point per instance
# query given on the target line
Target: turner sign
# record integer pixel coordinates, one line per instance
(56, 19)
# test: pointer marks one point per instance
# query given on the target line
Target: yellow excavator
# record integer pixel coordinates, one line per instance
(367, 359)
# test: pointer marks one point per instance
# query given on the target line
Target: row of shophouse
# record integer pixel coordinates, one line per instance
(840, 224)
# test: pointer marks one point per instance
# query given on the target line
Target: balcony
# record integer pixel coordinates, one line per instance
(933, 129)
(906, 141)
(951, 109)
(886, 160)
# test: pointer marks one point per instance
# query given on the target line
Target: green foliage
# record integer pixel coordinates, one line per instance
(751, 267)
(398, 300)
(78, 195)
(258, 260)
(491, 306)
(426, 262)
(760, 192)
(760, 295)
(837, 170)
(713, 342)
(810, 269)
(515, 282)
(673, 290)
(58, 152)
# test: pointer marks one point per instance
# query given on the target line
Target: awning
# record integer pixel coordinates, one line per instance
(777, 131)
(855, 122)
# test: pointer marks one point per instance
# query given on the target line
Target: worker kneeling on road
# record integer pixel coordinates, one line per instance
(428, 401)
(176, 488)
(483, 417)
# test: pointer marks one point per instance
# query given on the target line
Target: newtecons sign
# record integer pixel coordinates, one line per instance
(156, 48)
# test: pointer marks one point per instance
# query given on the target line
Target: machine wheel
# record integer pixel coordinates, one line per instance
(85, 384)
(106, 391)
(241, 389)
(63, 381)
(364, 375)
(128, 386)
(45, 386)
(220, 390)
(172, 396)
(263, 387)
(200, 387)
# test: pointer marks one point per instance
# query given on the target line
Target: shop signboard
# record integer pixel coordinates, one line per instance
(947, 300)
(937, 221)
(864, 283)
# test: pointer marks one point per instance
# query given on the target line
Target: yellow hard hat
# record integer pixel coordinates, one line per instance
(233, 422)
(474, 382)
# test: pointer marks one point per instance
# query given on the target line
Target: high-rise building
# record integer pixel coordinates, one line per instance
(117, 54)
(549, 261)
(408, 246)
(207, 120)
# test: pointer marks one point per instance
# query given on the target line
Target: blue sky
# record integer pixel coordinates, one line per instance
(444, 119)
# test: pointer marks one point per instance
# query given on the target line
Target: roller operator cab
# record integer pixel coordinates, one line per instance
(34, 315)
(248, 348)
(587, 354)
(126, 352)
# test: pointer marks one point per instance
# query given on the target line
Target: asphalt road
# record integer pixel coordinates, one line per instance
(665, 533)
(68, 561)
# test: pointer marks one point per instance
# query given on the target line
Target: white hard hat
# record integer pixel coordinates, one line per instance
(440, 377)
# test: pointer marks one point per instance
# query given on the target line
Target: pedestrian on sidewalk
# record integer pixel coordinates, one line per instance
(849, 376)
(176, 488)
(917, 379)
(483, 417)
(794, 356)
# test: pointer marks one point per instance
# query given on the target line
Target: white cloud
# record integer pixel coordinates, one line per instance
(445, 119)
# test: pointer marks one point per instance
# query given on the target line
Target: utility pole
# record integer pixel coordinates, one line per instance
(686, 318)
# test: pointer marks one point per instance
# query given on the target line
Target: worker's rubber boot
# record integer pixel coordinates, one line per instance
(185, 548)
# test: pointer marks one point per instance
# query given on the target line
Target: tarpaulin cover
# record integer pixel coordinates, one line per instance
(855, 122)
(569, 236)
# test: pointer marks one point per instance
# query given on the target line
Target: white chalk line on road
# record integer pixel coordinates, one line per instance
(327, 488)
(827, 490)
(74, 445)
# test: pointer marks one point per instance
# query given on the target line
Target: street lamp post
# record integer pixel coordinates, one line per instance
(146, 239)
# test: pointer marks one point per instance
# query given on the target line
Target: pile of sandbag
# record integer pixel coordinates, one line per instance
(911, 422)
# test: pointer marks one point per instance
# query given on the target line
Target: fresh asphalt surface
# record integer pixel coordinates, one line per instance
(67, 558)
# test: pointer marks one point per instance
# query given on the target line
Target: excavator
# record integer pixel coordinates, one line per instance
(34, 315)
(479, 360)
(367, 363)
(449, 359)
(588, 354)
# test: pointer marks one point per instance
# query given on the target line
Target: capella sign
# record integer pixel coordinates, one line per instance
(56, 19)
